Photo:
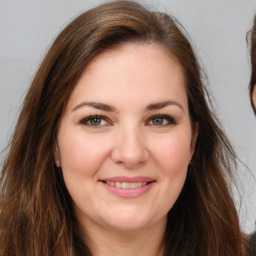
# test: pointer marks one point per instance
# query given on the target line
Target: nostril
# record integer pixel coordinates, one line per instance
(130, 150)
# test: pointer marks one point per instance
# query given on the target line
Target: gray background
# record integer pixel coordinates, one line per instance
(218, 29)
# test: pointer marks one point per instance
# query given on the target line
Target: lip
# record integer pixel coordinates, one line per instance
(129, 179)
(128, 192)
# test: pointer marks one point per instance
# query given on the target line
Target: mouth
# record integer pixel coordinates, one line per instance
(127, 187)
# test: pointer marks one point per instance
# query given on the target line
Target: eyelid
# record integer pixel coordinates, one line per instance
(85, 120)
(170, 119)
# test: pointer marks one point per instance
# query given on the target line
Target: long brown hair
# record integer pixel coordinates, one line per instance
(251, 39)
(36, 217)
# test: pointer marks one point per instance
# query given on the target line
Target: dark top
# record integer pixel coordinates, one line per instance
(252, 245)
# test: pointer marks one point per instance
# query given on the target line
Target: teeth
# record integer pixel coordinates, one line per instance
(119, 184)
(126, 185)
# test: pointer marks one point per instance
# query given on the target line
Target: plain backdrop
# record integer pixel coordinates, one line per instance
(218, 30)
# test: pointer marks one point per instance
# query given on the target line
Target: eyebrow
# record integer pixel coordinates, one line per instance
(109, 108)
(160, 105)
(96, 105)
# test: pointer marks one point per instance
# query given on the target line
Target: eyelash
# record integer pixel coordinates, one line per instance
(85, 121)
(170, 120)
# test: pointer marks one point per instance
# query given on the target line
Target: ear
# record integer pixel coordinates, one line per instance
(195, 133)
(56, 155)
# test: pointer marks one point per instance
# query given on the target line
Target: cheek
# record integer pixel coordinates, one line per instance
(81, 158)
(172, 158)
(172, 155)
(81, 154)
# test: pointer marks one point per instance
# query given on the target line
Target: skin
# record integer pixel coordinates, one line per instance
(254, 96)
(129, 141)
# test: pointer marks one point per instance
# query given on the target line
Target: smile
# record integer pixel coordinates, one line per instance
(126, 185)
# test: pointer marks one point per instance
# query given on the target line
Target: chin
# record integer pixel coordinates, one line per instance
(128, 225)
(129, 220)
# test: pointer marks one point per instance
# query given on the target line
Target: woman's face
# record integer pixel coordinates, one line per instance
(125, 138)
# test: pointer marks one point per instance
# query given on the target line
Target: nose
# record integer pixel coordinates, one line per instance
(130, 149)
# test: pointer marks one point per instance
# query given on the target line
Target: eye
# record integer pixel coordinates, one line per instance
(161, 120)
(95, 120)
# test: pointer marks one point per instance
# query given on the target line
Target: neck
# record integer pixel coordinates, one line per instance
(109, 242)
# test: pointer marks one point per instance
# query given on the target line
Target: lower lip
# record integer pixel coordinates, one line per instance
(129, 192)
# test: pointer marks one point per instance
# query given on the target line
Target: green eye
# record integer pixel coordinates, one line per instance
(161, 120)
(95, 121)
(158, 121)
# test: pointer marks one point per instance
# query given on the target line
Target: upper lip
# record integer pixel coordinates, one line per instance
(128, 179)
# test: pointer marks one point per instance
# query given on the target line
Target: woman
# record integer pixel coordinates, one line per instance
(116, 151)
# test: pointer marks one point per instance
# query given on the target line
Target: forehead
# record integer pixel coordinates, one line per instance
(132, 70)
(141, 56)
